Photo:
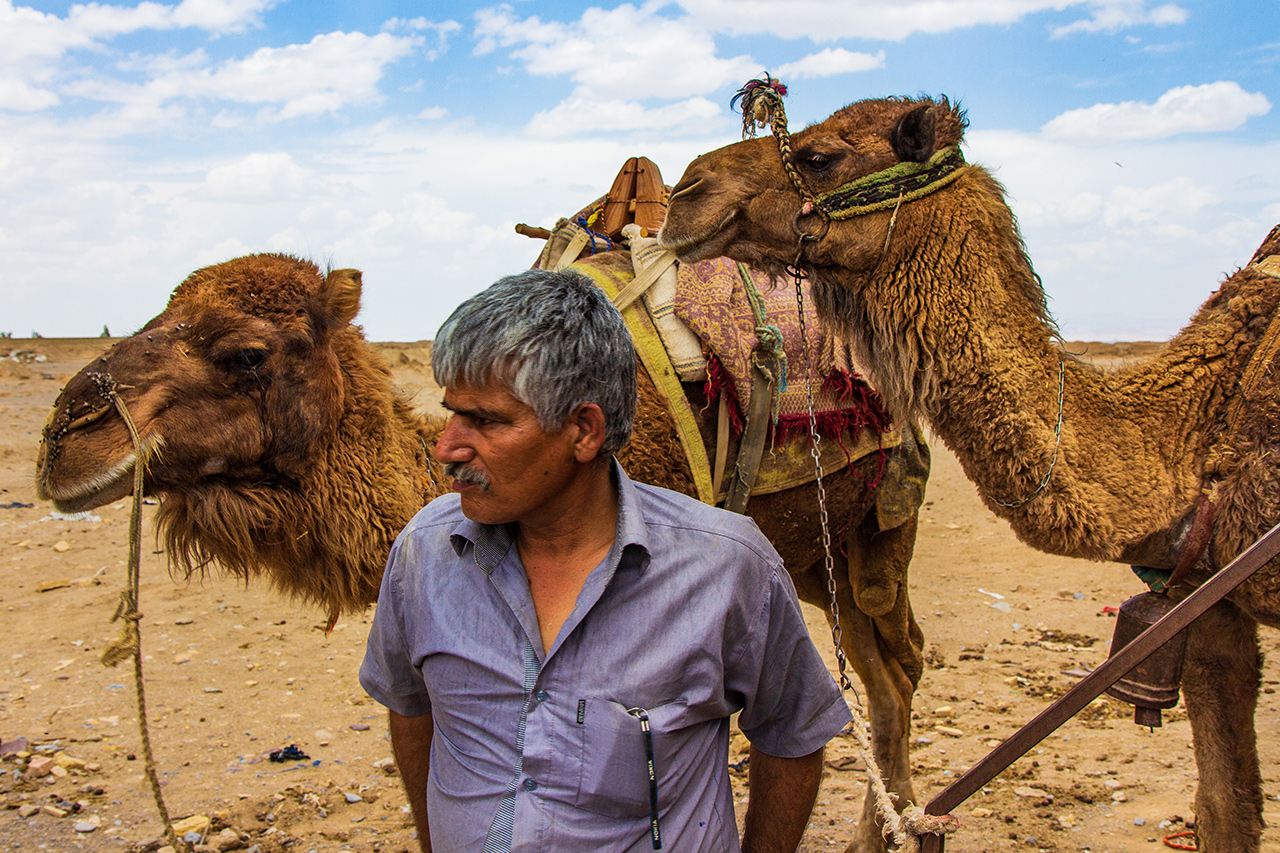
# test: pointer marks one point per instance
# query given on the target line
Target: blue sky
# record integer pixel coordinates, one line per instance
(1139, 141)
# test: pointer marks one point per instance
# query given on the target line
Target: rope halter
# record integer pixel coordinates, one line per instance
(883, 190)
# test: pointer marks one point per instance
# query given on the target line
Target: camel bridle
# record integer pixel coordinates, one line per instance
(886, 189)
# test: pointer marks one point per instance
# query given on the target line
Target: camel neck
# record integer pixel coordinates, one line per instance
(963, 318)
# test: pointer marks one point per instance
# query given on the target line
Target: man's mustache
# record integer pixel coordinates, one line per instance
(464, 473)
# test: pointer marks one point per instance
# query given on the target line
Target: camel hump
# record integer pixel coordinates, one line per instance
(637, 195)
(1270, 247)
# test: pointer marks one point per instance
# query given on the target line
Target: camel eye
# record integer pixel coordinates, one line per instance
(816, 162)
(250, 359)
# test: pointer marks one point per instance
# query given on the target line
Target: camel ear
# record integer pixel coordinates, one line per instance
(915, 136)
(340, 294)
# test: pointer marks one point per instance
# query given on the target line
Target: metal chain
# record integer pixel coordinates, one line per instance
(837, 633)
(904, 829)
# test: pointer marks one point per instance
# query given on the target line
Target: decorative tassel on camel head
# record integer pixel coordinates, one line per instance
(761, 105)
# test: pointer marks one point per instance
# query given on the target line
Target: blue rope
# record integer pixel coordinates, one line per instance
(581, 222)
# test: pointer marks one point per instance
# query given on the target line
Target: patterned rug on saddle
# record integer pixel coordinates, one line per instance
(730, 307)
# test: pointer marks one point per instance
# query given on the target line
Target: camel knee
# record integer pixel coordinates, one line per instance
(876, 599)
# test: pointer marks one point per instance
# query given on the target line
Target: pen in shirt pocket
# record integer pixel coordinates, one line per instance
(643, 716)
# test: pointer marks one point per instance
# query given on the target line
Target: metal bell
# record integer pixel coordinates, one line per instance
(1153, 684)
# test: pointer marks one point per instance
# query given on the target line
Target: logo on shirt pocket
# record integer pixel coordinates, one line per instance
(615, 767)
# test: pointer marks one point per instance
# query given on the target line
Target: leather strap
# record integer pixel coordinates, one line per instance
(751, 448)
(722, 445)
(1197, 540)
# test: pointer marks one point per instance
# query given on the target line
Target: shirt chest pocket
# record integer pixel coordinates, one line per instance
(615, 764)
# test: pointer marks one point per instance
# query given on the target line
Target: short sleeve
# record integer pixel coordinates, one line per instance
(791, 704)
(388, 672)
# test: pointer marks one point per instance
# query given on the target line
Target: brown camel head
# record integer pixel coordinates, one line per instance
(738, 200)
(264, 413)
(229, 382)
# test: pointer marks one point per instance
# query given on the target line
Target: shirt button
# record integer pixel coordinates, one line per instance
(530, 784)
(541, 696)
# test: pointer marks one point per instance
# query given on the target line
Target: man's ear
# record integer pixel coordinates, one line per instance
(589, 421)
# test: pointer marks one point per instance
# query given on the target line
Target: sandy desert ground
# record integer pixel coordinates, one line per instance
(234, 673)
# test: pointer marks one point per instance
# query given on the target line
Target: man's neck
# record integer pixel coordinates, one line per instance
(583, 519)
(559, 555)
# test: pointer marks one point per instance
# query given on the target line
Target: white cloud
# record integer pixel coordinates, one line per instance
(1187, 109)
(225, 250)
(577, 115)
(217, 16)
(327, 73)
(619, 60)
(418, 206)
(1130, 238)
(1111, 16)
(221, 16)
(32, 42)
(823, 21)
(22, 96)
(830, 62)
(25, 31)
(443, 31)
(894, 20)
(331, 71)
(1175, 201)
(259, 178)
(616, 52)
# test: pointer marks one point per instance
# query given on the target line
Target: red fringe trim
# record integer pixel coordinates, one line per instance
(861, 407)
(720, 382)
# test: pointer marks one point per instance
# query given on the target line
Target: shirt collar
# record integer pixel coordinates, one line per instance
(491, 542)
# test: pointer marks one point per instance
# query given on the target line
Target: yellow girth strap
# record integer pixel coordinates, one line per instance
(655, 359)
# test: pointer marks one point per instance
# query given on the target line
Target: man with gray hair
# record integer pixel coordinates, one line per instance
(561, 648)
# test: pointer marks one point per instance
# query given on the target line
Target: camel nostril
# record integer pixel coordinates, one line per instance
(85, 420)
(687, 184)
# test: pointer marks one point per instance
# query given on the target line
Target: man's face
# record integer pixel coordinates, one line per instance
(504, 465)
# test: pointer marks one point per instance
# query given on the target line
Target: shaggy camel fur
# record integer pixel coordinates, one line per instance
(941, 300)
(282, 449)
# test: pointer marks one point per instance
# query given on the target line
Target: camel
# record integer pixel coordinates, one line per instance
(930, 280)
(280, 449)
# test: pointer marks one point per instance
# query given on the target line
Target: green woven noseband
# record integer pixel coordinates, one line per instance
(890, 187)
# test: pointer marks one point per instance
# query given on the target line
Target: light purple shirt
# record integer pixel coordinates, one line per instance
(691, 617)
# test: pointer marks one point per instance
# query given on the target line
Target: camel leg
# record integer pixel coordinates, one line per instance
(1220, 682)
(885, 649)
(878, 563)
